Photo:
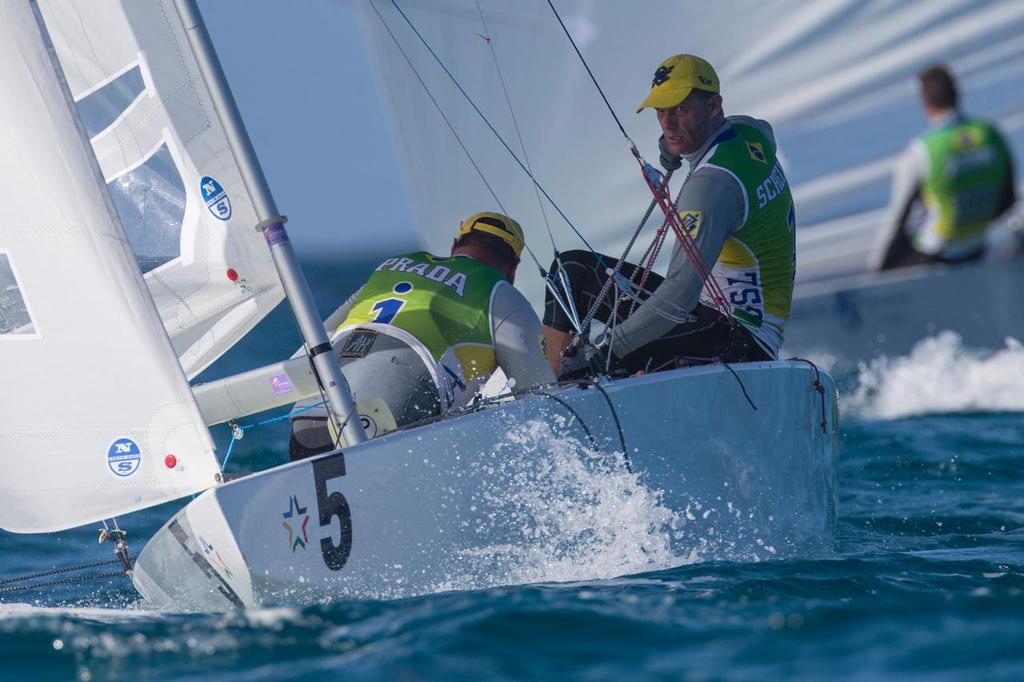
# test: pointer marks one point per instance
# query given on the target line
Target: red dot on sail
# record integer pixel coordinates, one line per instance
(232, 275)
(171, 461)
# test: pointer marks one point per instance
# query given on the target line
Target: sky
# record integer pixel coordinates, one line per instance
(303, 84)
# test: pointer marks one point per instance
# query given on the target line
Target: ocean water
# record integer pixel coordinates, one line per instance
(925, 579)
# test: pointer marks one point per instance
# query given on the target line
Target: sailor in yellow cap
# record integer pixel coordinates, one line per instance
(425, 332)
(736, 205)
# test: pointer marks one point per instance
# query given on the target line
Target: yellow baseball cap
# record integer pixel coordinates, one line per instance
(499, 225)
(676, 77)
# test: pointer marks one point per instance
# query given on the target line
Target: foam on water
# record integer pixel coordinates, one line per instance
(579, 514)
(940, 376)
(582, 515)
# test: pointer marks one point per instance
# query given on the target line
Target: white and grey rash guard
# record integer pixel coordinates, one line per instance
(721, 201)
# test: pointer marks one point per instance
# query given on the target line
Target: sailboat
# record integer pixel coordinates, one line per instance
(745, 454)
(844, 314)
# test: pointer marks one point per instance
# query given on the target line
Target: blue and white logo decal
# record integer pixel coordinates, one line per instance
(215, 198)
(124, 457)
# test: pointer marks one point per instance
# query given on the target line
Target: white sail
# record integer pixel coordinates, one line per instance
(834, 77)
(96, 416)
(164, 155)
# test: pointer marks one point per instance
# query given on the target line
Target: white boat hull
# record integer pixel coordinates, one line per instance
(463, 502)
(848, 320)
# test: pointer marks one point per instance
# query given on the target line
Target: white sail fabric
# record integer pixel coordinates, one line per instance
(834, 77)
(170, 171)
(96, 416)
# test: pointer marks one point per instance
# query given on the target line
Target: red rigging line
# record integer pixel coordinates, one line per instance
(659, 188)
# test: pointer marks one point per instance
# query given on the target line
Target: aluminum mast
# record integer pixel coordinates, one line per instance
(271, 223)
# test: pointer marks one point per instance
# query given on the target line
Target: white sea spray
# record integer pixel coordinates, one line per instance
(939, 376)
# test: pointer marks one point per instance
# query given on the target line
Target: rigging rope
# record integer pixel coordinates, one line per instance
(820, 389)
(437, 106)
(545, 276)
(497, 135)
(57, 571)
(238, 430)
(63, 581)
(515, 123)
(618, 266)
(114, 535)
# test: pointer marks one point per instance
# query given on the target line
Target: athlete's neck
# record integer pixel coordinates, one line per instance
(481, 255)
(696, 156)
(939, 117)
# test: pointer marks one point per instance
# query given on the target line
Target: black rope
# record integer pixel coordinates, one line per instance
(587, 67)
(494, 131)
(57, 571)
(575, 415)
(63, 581)
(820, 388)
(437, 106)
(618, 425)
(740, 382)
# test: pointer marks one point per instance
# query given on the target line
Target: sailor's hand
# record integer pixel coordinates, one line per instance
(575, 364)
(669, 161)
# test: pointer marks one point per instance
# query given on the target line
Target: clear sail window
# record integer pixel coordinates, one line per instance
(150, 200)
(100, 108)
(15, 319)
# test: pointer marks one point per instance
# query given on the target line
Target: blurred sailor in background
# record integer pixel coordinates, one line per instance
(949, 186)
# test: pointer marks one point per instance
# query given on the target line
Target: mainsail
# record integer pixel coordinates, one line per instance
(96, 416)
(164, 156)
(834, 77)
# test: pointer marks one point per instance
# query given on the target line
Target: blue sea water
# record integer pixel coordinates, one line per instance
(925, 580)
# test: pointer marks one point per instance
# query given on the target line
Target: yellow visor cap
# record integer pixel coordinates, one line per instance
(676, 77)
(499, 225)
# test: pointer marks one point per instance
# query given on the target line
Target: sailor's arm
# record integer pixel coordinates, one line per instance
(518, 339)
(335, 319)
(720, 202)
(910, 171)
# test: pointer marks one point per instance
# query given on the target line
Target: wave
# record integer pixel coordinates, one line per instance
(940, 376)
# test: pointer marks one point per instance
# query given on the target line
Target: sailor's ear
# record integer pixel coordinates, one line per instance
(716, 102)
(455, 243)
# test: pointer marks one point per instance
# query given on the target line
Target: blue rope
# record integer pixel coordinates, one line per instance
(227, 455)
(241, 428)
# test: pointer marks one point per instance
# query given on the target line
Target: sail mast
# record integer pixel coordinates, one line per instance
(271, 223)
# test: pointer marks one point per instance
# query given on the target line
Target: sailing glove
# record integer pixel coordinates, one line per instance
(669, 161)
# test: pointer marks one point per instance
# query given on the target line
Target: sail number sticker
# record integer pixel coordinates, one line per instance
(329, 506)
(124, 457)
(215, 198)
